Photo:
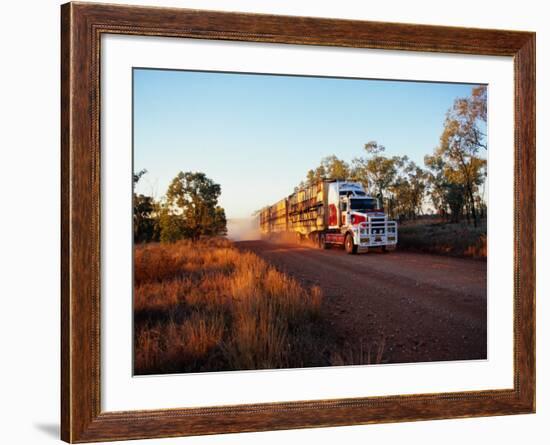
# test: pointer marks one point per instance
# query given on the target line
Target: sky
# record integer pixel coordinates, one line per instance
(257, 135)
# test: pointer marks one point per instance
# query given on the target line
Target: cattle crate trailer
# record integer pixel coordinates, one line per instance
(331, 213)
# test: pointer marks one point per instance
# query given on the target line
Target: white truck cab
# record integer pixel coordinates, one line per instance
(359, 218)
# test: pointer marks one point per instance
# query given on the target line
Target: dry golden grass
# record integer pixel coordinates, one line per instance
(206, 306)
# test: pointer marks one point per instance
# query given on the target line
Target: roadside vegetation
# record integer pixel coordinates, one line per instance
(206, 306)
(188, 210)
(433, 235)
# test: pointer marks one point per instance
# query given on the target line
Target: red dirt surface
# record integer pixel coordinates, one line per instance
(412, 307)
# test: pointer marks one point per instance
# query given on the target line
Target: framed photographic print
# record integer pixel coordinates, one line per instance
(274, 222)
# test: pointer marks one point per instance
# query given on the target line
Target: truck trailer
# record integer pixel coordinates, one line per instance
(331, 213)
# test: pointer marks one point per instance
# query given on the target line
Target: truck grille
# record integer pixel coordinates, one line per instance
(378, 226)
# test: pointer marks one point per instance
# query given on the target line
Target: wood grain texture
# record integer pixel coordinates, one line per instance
(81, 28)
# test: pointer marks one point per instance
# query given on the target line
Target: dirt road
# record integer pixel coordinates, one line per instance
(412, 307)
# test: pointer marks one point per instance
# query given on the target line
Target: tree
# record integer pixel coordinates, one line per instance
(146, 221)
(416, 180)
(405, 194)
(456, 165)
(479, 103)
(172, 226)
(219, 224)
(470, 116)
(376, 172)
(330, 168)
(191, 209)
(459, 144)
(145, 214)
(335, 168)
(454, 196)
(437, 183)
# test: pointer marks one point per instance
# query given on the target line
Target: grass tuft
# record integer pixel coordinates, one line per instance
(206, 306)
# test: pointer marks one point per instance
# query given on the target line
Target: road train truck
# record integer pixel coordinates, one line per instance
(331, 213)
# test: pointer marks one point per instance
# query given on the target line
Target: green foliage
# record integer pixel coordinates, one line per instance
(219, 222)
(191, 209)
(145, 215)
(454, 197)
(146, 221)
(376, 171)
(172, 227)
(406, 193)
(437, 183)
(335, 168)
(397, 181)
(330, 168)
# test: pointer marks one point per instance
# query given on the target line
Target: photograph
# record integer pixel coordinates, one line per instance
(284, 221)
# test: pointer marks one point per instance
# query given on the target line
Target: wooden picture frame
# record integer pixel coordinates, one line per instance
(82, 25)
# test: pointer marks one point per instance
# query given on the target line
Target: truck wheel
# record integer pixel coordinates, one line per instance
(323, 241)
(387, 249)
(348, 244)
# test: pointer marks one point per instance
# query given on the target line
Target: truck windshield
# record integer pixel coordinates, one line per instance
(361, 205)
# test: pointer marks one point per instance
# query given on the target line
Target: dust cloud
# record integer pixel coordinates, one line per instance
(243, 229)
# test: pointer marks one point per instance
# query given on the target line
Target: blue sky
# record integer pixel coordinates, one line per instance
(258, 135)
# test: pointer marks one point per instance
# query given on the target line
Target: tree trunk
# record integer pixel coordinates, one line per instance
(472, 204)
